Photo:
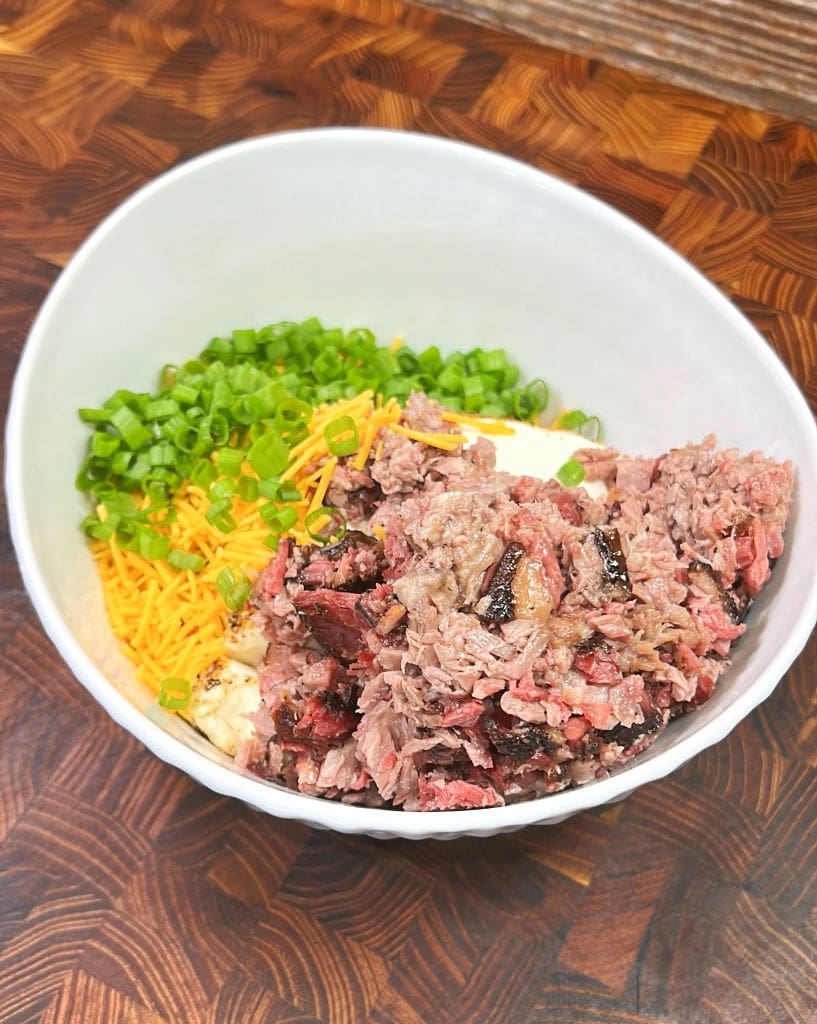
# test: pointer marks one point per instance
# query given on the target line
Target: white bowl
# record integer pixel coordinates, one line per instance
(444, 243)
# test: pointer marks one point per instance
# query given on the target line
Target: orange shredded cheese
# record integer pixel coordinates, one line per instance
(447, 442)
(323, 483)
(484, 425)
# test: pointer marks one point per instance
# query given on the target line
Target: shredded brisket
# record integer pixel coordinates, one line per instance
(508, 637)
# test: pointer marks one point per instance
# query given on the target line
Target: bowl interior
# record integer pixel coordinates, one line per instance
(444, 244)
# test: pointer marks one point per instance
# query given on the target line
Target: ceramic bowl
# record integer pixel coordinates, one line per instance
(444, 243)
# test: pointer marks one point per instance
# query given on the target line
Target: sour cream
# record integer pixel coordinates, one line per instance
(535, 451)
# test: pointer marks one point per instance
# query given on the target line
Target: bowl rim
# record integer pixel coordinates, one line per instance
(318, 811)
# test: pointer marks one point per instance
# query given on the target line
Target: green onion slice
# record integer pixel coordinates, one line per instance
(334, 528)
(341, 436)
(184, 560)
(268, 456)
(235, 591)
(571, 474)
(174, 693)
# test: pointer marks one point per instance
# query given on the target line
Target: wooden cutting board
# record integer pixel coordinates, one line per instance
(129, 893)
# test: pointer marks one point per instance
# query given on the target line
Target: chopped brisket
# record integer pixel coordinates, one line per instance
(501, 599)
(705, 578)
(519, 741)
(354, 563)
(613, 563)
(509, 637)
(334, 621)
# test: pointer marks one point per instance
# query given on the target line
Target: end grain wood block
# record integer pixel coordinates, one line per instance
(130, 893)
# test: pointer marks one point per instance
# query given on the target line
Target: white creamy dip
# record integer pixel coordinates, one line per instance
(536, 451)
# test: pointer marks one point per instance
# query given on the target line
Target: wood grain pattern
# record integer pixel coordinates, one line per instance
(755, 52)
(127, 892)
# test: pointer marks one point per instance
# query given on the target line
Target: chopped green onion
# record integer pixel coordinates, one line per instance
(450, 380)
(489, 362)
(101, 531)
(571, 420)
(95, 415)
(571, 473)
(327, 366)
(225, 581)
(121, 505)
(103, 445)
(268, 456)
(360, 337)
(472, 393)
(510, 377)
(234, 591)
(184, 394)
(341, 436)
(430, 360)
(270, 489)
(591, 428)
(289, 492)
(219, 515)
(538, 393)
(186, 439)
(523, 405)
(279, 520)
(248, 488)
(244, 341)
(291, 412)
(93, 472)
(151, 545)
(184, 560)
(162, 454)
(132, 431)
(396, 388)
(336, 526)
(228, 460)
(174, 693)
(203, 474)
(223, 488)
(161, 408)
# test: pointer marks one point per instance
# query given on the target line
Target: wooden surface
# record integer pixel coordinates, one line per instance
(127, 892)
(762, 53)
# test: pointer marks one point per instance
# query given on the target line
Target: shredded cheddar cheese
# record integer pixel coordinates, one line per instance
(483, 424)
(447, 442)
(173, 623)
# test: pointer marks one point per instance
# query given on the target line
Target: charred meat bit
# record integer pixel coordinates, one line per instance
(502, 602)
(614, 565)
(285, 718)
(353, 563)
(334, 620)
(323, 720)
(707, 579)
(625, 736)
(381, 609)
(518, 740)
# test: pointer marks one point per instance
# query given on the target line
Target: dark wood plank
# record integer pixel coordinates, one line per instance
(755, 52)
(127, 892)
